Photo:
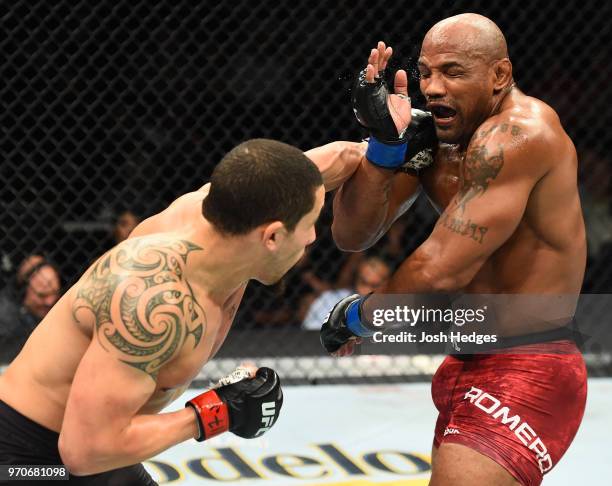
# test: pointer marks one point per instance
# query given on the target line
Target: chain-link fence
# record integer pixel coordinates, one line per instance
(115, 106)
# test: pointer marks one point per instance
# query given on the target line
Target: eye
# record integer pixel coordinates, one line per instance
(454, 73)
(424, 74)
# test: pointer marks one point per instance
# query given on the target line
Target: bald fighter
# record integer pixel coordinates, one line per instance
(134, 331)
(503, 179)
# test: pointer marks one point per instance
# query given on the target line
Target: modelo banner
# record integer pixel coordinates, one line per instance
(326, 434)
(329, 462)
(359, 435)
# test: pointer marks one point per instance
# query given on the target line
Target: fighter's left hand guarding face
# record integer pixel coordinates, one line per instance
(504, 181)
(401, 137)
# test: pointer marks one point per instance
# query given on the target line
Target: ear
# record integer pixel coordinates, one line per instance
(273, 234)
(502, 72)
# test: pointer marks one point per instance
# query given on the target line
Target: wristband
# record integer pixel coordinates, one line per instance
(353, 320)
(384, 155)
(212, 414)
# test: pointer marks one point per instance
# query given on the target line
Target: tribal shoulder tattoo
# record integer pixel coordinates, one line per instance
(142, 306)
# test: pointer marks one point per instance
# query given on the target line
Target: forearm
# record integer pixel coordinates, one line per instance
(337, 161)
(431, 268)
(361, 207)
(144, 437)
(417, 274)
(416, 279)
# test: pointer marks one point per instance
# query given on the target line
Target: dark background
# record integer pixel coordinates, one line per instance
(123, 104)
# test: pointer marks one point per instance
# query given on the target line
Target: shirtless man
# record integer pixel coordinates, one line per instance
(504, 180)
(134, 331)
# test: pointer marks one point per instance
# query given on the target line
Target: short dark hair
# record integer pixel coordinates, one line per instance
(258, 182)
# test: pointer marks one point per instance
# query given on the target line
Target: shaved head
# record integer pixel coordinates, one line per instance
(470, 33)
(465, 74)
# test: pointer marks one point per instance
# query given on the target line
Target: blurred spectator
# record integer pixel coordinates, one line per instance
(24, 303)
(120, 226)
(595, 177)
(124, 224)
(292, 296)
(90, 239)
(371, 273)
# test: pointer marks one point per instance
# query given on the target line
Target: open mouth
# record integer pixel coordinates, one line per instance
(442, 114)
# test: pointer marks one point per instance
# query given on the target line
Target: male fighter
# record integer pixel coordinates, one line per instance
(132, 333)
(504, 180)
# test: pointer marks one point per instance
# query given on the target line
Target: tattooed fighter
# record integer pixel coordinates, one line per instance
(504, 179)
(132, 333)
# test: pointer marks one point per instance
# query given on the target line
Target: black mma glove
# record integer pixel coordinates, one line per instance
(372, 112)
(248, 407)
(421, 139)
(411, 149)
(343, 323)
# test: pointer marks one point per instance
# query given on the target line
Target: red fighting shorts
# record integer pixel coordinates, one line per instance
(521, 408)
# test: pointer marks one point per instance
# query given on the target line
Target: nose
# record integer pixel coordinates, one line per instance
(433, 86)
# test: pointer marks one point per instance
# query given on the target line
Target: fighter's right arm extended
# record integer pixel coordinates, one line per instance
(337, 161)
(369, 199)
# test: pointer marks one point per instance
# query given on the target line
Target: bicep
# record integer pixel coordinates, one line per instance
(467, 233)
(106, 393)
(497, 179)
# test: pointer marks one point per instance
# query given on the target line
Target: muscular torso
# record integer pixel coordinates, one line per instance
(37, 382)
(546, 254)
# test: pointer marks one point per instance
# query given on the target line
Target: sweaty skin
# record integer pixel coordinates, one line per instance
(139, 304)
(504, 181)
(129, 337)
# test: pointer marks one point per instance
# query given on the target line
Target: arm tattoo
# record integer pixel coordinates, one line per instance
(469, 228)
(515, 131)
(479, 169)
(142, 305)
